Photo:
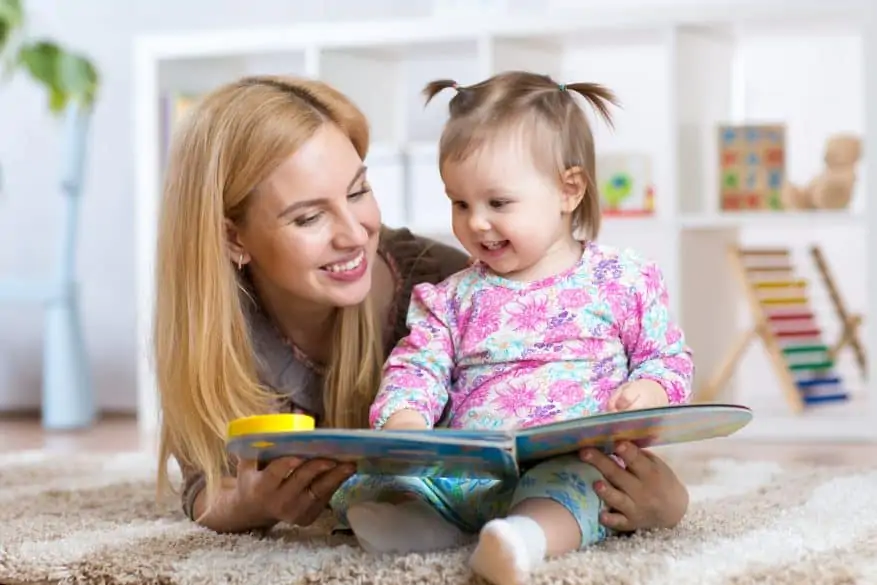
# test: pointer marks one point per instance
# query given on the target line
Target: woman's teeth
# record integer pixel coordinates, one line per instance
(346, 266)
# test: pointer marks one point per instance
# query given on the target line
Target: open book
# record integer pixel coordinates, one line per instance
(482, 454)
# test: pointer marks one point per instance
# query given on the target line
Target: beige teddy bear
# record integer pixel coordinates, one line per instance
(833, 188)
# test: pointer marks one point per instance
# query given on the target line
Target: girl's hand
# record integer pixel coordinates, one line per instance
(647, 494)
(637, 396)
(406, 420)
(288, 489)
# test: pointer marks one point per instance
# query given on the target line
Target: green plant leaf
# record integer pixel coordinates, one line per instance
(57, 100)
(41, 61)
(77, 77)
(65, 76)
(5, 33)
(11, 10)
(11, 14)
(11, 21)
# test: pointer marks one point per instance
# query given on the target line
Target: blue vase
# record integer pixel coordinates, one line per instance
(67, 394)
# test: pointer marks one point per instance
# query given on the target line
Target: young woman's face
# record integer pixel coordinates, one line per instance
(311, 230)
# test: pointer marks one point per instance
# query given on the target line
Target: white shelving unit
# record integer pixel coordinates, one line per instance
(678, 72)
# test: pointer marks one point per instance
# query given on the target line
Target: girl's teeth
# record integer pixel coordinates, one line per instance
(347, 265)
(493, 245)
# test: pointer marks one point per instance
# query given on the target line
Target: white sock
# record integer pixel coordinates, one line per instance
(408, 527)
(508, 550)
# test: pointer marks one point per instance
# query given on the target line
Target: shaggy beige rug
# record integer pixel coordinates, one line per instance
(93, 519)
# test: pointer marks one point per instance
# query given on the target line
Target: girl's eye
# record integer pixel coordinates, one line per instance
(497, 203)
(460, 205)
(306, 220)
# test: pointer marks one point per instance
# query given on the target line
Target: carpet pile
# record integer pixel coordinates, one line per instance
(94, 519)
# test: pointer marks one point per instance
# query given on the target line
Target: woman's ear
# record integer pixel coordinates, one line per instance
(573, 188)
(237, 253)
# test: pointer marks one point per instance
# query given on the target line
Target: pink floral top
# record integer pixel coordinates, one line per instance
(487, 352)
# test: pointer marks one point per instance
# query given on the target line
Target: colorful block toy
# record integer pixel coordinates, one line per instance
(752, 161)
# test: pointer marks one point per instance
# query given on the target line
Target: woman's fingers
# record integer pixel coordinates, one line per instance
(296, 496)
(245, 466)
(616, 521)
(614, 498)
(320, 492)
(325, 485)
(637, 461)
(309, 515)
(322, 489)
(275, 471)
(305, 474)
(616, 475)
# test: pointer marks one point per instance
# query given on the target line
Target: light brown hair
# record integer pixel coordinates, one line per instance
(205, 366)
(544, 111)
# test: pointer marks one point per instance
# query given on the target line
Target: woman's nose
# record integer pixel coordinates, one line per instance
(350, 232)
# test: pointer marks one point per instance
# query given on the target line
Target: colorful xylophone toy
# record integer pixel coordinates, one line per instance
(785, 323)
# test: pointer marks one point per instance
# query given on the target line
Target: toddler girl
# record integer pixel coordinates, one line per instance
(546, 325)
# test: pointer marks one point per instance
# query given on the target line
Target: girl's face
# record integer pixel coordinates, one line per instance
(311, 229)
(509, 214)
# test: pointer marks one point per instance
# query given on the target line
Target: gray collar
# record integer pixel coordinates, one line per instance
(277, 364)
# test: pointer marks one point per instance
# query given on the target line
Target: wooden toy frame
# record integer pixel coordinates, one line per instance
(784, 288)
(850, 323)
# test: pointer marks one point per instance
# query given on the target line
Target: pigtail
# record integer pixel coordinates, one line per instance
(587, 217)
(599, 96)
(435, 87)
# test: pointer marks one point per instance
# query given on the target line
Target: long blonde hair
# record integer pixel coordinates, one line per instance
(206, 370)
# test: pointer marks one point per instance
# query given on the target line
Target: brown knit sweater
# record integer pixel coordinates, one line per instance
(413, 260)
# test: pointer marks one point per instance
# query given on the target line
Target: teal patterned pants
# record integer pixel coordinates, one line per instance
(471, 503)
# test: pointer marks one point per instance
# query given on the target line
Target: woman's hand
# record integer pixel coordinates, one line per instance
(647, 494)
(288, 489)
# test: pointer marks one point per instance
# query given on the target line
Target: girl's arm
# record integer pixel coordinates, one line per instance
(417, 374)
(655, 344)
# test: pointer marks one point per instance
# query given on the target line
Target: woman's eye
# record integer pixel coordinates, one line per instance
(307, 220)
(359, 194)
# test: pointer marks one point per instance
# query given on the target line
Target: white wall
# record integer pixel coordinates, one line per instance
(813, 84)
(30, 205)
(814, 106)
(817, 92)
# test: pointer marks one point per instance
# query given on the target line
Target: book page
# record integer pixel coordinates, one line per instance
(645, 428)
(440, 453)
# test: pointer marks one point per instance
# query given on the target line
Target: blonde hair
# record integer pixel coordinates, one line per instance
(546, 115)
(206, 369)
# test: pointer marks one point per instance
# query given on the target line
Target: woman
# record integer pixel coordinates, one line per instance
(279, 290)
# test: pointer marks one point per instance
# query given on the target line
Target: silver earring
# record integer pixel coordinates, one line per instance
(240, 262)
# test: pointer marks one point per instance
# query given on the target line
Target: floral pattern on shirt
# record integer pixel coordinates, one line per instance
(488, 352)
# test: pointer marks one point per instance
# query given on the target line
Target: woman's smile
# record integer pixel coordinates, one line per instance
(348, 270)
